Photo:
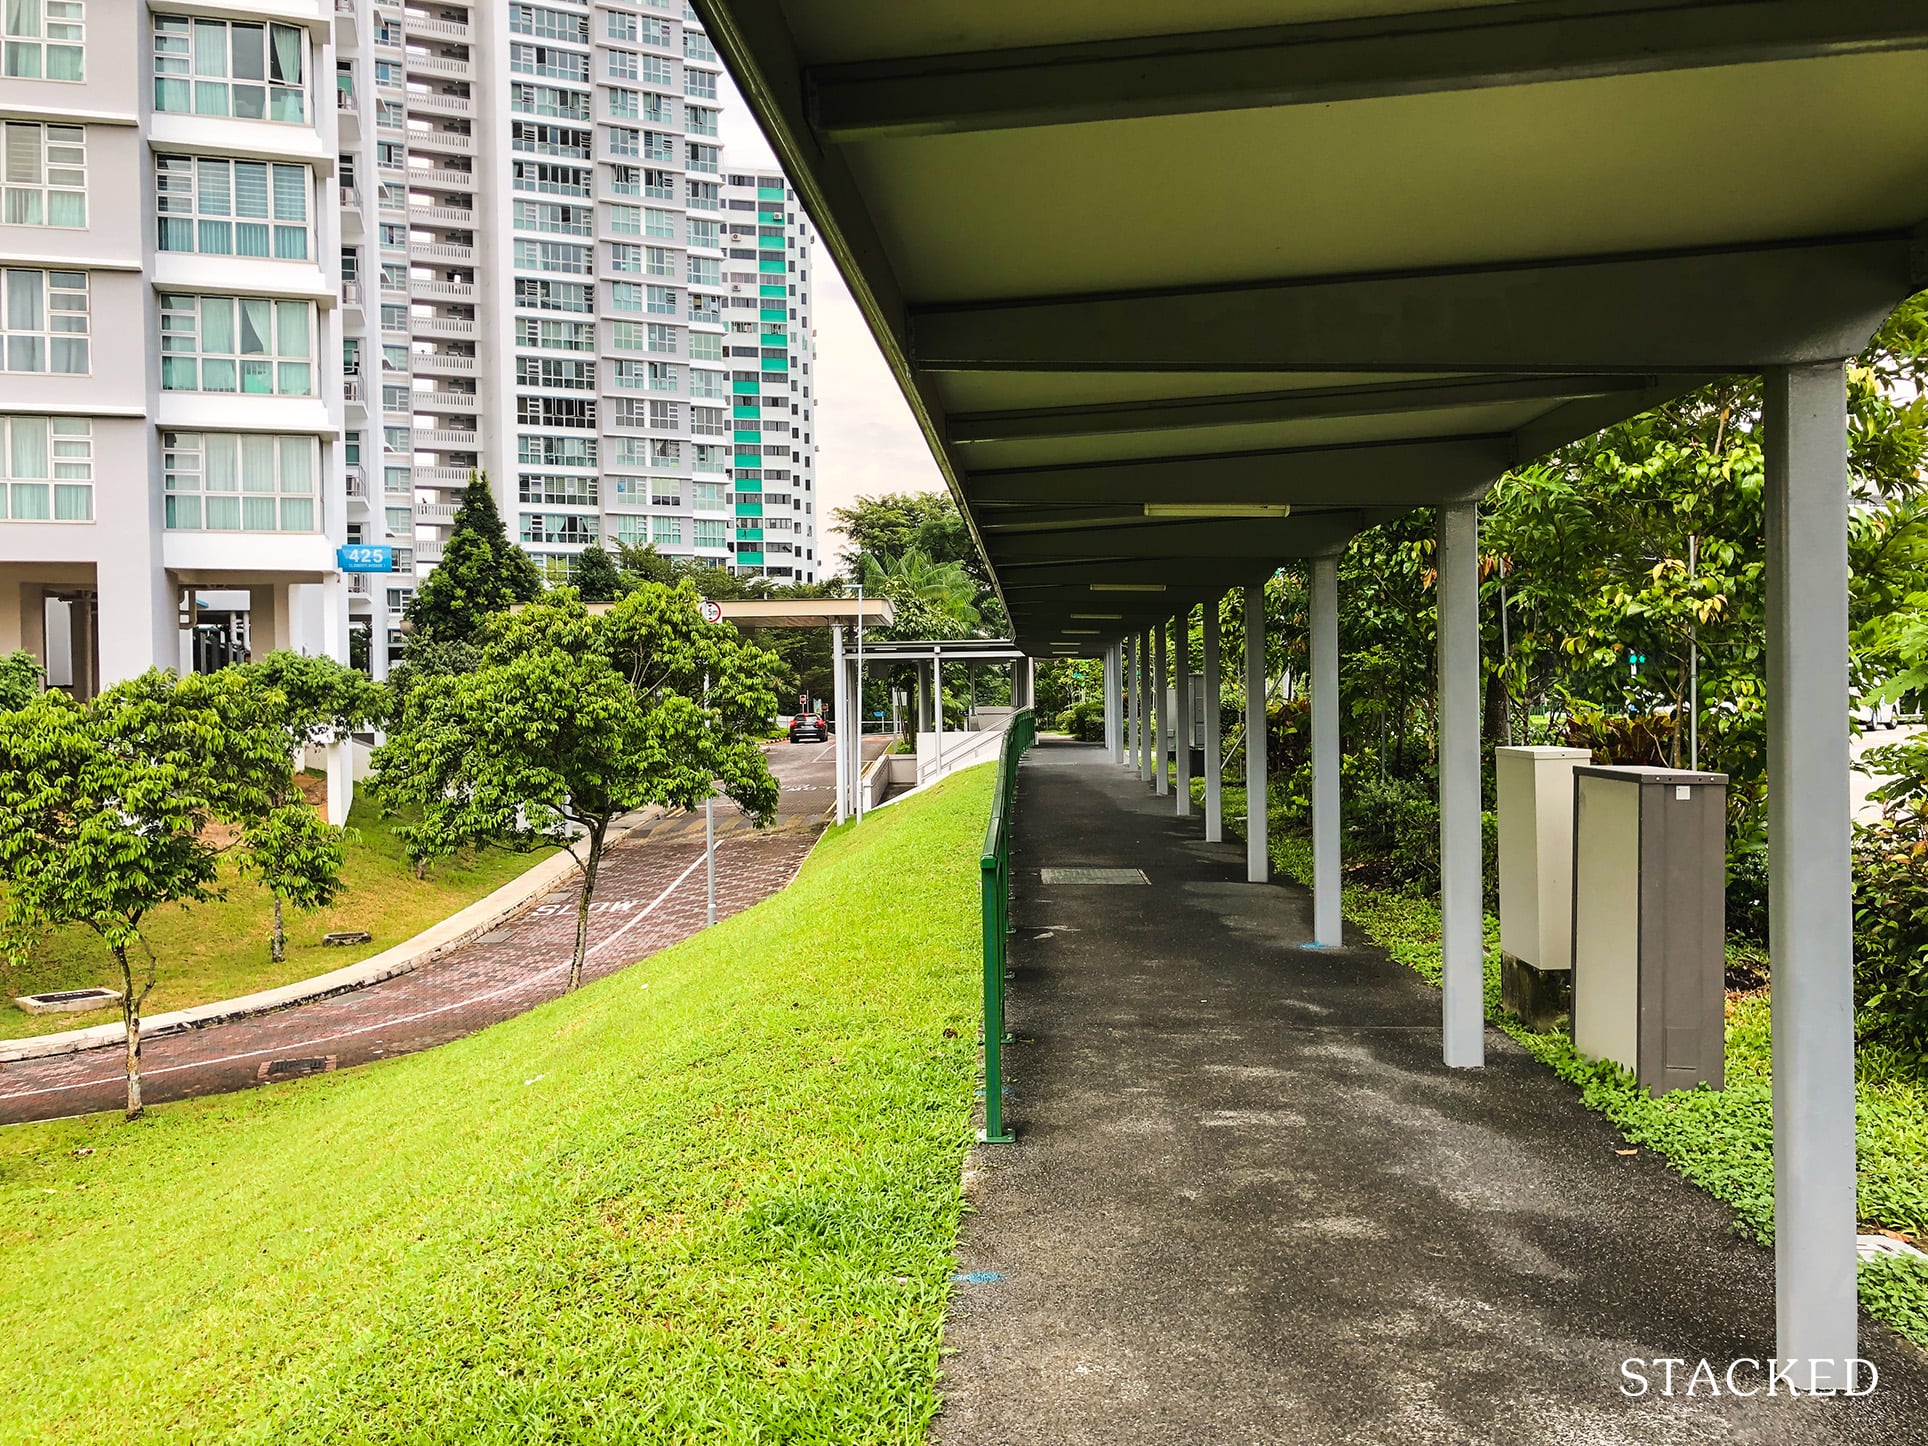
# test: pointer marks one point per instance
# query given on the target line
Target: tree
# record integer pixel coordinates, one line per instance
(884, 529)
(597, 578)
(481, 573)
(105, 809)
(295, 853)
(572, 720)
(21, 679)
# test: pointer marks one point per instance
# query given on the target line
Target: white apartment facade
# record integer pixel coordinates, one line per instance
(170, 413)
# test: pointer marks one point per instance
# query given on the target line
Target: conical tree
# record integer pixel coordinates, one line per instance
(597, 579)
(481, 573)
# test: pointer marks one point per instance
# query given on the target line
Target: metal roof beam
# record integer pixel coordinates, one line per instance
(1698, 311)
(1323, 63)
(1312, 535)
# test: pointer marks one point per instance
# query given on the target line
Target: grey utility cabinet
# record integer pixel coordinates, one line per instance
(1535, 806)
(1650, 922)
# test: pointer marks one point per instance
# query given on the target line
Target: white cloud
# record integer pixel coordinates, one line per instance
(867, 441)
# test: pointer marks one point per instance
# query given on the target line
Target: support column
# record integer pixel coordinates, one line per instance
(1114, 725)
(1146, 667)
(1809, 910)
(1462, 927)
(1182, 712)
(1214, 698)
(1258, 866)
(837, 712)
(1160, 779)
(1327, 930)
(1134, 705)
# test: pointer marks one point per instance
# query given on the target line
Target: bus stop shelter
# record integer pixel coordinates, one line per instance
(1178, 294)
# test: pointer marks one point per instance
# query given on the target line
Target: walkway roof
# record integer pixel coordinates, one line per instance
(1174, 308)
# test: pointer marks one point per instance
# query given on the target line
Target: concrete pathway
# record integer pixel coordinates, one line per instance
(1248, 1204)
(651, 895)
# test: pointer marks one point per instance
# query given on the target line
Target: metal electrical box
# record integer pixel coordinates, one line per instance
(1650, 922)
(1534, 801)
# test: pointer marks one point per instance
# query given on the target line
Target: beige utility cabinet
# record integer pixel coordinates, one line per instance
(1650, 922)
(1534, 799)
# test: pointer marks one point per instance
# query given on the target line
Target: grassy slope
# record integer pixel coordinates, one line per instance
(711, 1198)
(1721, 1140)
(220, 950)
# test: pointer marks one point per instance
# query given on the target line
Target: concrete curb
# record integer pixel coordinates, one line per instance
(459, 928)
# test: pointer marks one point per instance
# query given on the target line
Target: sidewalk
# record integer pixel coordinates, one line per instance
(1249, 1205)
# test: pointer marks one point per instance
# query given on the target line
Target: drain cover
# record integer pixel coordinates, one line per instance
(295, 1068)
(1092, 876)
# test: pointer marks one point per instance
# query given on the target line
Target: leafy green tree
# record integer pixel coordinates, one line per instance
(105, 809)
(641, 559)
(597, 578)
(481, 573)
(296, 853)
(572, 720)
(21, 679)
(884, 530)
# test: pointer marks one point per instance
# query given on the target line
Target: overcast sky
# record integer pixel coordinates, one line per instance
(866, 440)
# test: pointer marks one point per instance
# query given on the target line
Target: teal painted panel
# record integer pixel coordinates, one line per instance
(743, 389)
(770, 265)
(749, 509)
(776, 364)
(765, 290)
(740, 412)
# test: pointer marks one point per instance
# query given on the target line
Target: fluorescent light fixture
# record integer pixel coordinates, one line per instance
(1127, 587)
(1081, 632)
(1097, 617)
(1217, 509)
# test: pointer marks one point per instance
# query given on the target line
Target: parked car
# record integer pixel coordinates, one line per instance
(809, 728)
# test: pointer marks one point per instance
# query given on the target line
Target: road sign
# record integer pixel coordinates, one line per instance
(712, 611)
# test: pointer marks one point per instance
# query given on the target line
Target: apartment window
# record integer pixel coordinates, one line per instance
(624, 141)
(700, 120)
(554, 295)
(629, 452)
(397, 399)
(626, 220)
(251, 344)
(44, 40)
(393, 236)
(662, 338)
(398, 521)
(45, 175)
(541, 139)
(658, 146)
(706, 384)
(47, 464)
(546, 60)
(550, 180)
(659, 185)
(696, 46)
(707, 421)
(622, 64)
(534, 371)
(566, 528)
(555, 335)
(548, 100)
(626, 335)
(579, 412)
(660, 300)
(553, 256)
(709, 533)
(214, 67)
(664, 452)
(666, 416)
(705, 271)
(539, 451)
(707, 457)
(625, 258)
(43, 321)
(623, 104)
(628, 375)
(710, 496)
(389, 72)
(666, 491)
(705, 195)
(546, 24)
(554, 217)
(625, 412)
(390, 114)
(706, 346)
(394, 316)
(391, 155)
(702, 158)
(706, 308)
(659, 109)
(666, 531)
(699, 83)
(655, 32)
(251, 482)
(621, 27)
(626, 180)
(232, 208)
(703, 233)
(662, 377)
(556, 489)
(625, 296)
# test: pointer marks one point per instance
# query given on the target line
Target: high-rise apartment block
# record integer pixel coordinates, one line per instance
(244, 325)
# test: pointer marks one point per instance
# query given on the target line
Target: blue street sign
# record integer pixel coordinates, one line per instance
(365, 559)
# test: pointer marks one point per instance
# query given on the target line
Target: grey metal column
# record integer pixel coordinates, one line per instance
(1327, 930)
(1135, 707)
(1214, 702)
(1114, 726)
(1160, 779)
(1182, 711)
(1462, 927)
(1810, 918)
(842, 721)
(1257, 860)
(1146, 665)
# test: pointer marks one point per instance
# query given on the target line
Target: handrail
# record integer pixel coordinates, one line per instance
(995, 867)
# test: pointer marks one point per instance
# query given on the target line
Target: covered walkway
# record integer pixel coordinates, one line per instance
(1252, 1205)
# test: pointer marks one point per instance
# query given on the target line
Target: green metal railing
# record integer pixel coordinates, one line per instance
(996, 866)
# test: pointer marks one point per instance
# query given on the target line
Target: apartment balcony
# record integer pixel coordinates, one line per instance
(437, 514)
(443, 65)
(355, 481)
(351, 294)
(428, 549)
(441, 177)
(458, 216)
(441, 251)
(438, 364)
(351, 392)
(420, 140)
(358, 584)
(443, 290)
(465, 403)
(422, 104)
(440, 477)
(427, 25)
(441, 326)
(454, 438)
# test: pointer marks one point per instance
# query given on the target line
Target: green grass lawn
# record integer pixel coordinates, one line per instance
(220, 950)
(1722, 1140)
(711, 1198)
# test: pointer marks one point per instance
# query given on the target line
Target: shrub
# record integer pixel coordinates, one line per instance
(1638, 739)
(1891, 934)
(1084, 720)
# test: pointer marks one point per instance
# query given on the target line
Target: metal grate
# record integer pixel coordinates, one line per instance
(295, 1068)
(1092, 876)
(67, 996)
